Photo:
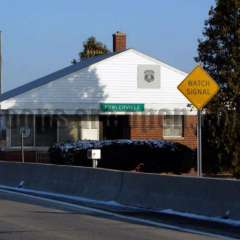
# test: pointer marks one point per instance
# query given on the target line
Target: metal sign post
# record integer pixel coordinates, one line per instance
(22, 145)
(25, 133)
(199, 144)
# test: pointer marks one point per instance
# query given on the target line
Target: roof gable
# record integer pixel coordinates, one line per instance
(161, 63)
(73, 68)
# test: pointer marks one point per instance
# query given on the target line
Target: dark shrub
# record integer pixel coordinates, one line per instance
(151, 156)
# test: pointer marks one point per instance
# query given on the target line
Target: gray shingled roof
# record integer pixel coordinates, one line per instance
(54, 76)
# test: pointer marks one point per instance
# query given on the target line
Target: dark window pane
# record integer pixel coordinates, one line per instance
(18, 122)
(46, 130)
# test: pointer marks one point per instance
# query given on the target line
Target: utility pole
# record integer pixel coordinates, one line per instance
(0, 62)
(22, 145)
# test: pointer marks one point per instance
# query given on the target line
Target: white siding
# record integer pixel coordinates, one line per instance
(113, 80)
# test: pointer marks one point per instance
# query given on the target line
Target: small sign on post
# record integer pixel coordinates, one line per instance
(25, 133)
(94, 155)
(199, 88)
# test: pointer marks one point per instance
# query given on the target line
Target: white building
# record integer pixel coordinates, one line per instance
(124, 94)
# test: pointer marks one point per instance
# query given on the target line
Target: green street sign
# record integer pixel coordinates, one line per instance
(121, 107)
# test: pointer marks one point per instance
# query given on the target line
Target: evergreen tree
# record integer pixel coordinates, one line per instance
(92, 48)
(219, 53)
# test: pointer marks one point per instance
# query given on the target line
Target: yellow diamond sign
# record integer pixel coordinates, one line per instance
(198, 87)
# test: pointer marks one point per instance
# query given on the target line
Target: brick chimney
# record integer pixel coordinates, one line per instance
(119, 42)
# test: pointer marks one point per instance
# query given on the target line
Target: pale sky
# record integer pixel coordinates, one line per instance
(40, 37)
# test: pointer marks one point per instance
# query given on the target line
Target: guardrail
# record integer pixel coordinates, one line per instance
(205, 196)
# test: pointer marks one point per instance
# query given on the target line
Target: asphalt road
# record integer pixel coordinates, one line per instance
(24, 218)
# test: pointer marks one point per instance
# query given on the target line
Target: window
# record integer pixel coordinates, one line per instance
(79, 128)
(18, 122)
(173, 126)
(69, 129)
(42, 130)
(46, 130)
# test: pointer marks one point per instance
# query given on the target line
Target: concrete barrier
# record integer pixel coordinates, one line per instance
(210, 197)
(204, 196)
(69, 180)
